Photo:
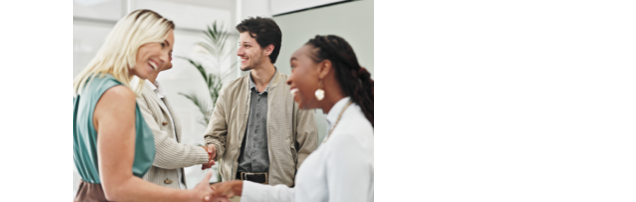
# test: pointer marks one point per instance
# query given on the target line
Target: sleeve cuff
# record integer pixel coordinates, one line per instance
(253, 192)
(201, 155)
(218, 151)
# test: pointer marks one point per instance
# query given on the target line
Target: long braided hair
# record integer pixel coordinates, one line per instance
(354, 80)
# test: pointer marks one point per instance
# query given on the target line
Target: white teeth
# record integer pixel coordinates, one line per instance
(294, 91)
(153, 65)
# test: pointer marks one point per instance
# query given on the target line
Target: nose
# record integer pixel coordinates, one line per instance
(240, 51)
(289, 81)
(165, 57)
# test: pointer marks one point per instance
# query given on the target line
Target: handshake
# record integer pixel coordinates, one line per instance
(219, 192)
(211, 149)
(204, 188)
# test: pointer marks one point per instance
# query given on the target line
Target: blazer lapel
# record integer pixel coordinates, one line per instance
(164, 111)
(156, 100)
(177, 124)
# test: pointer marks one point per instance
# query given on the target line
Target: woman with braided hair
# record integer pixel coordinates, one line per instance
(326, 75)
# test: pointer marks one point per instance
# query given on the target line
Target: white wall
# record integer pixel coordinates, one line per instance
(98, 9)
(183, 15)
(253, 8)
(352, 21)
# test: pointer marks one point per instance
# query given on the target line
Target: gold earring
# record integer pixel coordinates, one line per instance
(320, 94)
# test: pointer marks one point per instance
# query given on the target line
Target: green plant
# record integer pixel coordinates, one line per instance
(216, 45)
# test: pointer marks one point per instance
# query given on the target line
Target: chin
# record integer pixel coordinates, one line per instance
(304, 105)
(246, 68)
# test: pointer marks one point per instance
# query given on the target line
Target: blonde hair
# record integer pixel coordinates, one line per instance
(118, 53)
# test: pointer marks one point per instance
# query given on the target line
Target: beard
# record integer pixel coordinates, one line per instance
(247, 68)
(253, 62)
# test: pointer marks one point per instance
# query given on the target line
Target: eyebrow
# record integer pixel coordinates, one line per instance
(293, 58)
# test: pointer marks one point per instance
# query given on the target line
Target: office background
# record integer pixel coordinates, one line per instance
(298, 20)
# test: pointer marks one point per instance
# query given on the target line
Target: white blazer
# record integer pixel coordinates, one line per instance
(340, 170)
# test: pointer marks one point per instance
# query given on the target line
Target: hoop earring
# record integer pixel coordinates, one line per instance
(320, 94)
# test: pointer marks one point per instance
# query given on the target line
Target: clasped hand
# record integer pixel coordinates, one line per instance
(227, 189)
(205, 191)
(219, 191)
(211, 149)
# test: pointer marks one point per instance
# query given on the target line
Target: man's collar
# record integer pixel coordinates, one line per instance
(253, 85)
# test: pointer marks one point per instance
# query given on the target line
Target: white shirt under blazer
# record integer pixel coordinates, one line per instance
(340, 170)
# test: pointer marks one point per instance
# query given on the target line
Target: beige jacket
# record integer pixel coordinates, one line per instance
(170, 155)
(291, 133)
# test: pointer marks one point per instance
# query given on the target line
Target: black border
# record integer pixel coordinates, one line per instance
(315, 7)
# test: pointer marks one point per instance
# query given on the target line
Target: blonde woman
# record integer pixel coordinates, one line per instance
(112, 145)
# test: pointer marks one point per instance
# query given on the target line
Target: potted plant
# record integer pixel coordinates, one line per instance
(215, 44)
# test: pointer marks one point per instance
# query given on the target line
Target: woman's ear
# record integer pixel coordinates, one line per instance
(324, 69)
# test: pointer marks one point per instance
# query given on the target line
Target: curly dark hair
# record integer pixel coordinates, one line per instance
(265, 31)
(354, 80)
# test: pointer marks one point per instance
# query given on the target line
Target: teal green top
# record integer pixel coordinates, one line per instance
(85, 135)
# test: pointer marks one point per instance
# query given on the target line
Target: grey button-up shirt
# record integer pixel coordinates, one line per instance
(254, 153)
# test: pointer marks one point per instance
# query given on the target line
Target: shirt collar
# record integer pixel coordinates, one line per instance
(253, 85)
(332, 116)
(150, 85)
(155, 88)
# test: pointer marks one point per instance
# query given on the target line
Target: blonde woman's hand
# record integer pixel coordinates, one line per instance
(227, 189)
(203, 192)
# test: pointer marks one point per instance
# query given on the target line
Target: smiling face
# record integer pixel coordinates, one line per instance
(251, 53)
(168, 64)
(152, 56)
(304, 78)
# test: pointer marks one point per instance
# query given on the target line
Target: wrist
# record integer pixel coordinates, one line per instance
(188, 195)
(193, 195)
(215, 151)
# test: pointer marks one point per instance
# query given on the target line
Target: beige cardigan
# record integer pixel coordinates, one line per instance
(170, 155)
(291, 133)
